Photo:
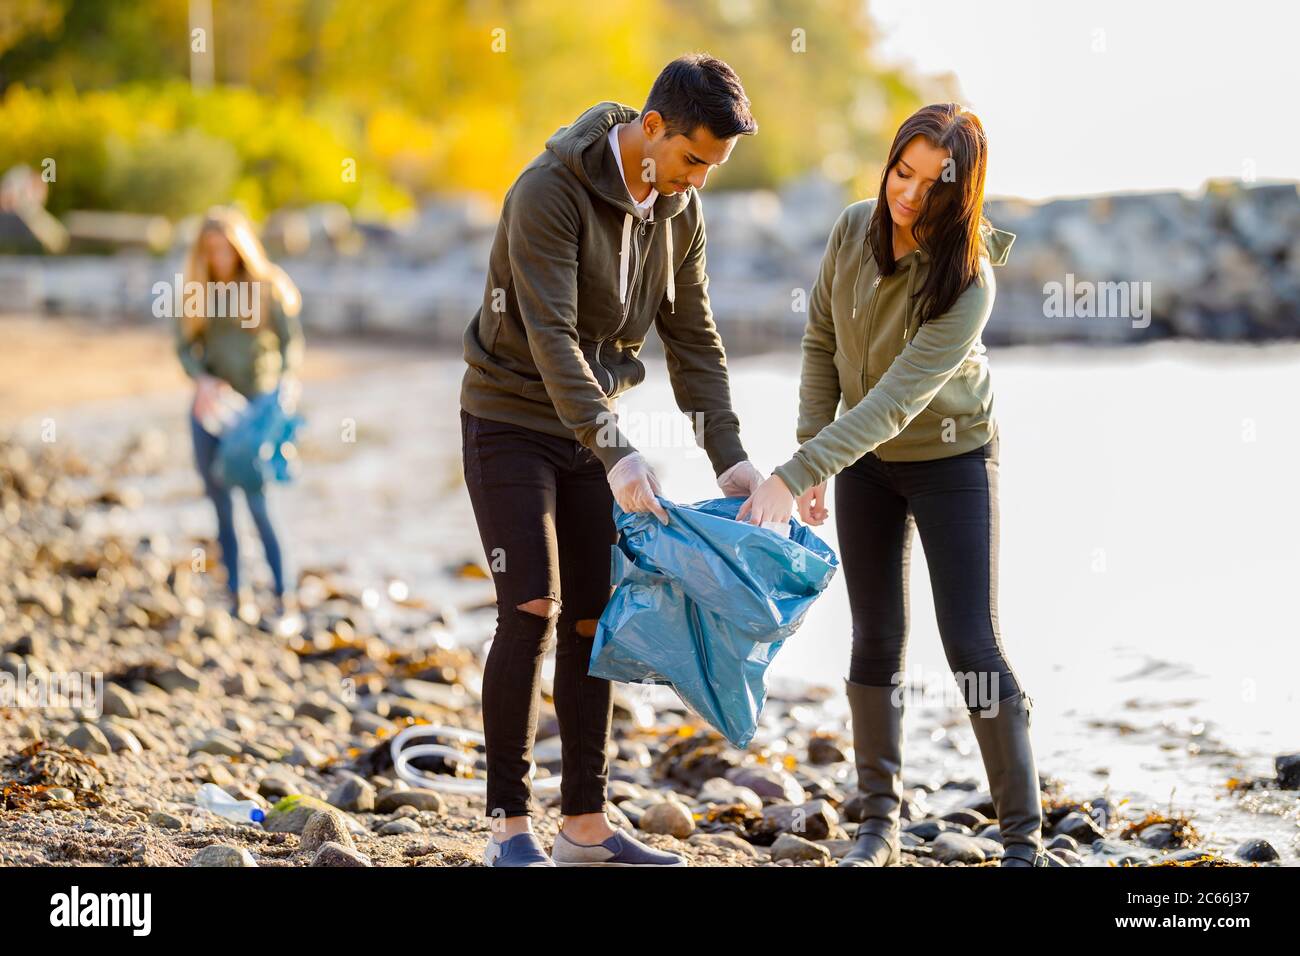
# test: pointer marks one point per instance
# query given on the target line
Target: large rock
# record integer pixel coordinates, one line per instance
(88, 739)
(354, 795)
(957, 848)
(668, 817)
(219, 854)
(417, 797)
(791, 847)
(336, 854)
(325, 826)
(291, 814)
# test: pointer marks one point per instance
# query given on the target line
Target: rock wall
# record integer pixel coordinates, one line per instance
(1221, 265)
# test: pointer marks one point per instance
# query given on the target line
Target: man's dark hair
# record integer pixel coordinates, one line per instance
(700, 90)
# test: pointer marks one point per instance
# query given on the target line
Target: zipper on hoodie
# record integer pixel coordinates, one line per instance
(871, 321)
(627, 305)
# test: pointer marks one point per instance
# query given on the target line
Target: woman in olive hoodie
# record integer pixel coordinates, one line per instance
(895, 321)
(226, 353)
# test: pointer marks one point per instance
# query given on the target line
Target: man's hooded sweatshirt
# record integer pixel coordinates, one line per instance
(575, 281)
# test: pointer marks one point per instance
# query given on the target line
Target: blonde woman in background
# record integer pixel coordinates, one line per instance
(249, 354)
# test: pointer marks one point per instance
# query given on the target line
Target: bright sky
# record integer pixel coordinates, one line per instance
(1114, 95)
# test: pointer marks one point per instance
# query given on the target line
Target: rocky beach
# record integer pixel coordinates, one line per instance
(103, 577)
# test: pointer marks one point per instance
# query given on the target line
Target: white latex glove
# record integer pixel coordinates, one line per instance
(634, 485)
(740, 480)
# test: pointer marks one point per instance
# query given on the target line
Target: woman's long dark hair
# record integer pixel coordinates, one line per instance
(951, 217)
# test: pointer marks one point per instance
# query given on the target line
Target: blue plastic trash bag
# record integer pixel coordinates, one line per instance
(703, 604)
(258, 447)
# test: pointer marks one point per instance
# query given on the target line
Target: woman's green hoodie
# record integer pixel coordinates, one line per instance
(250, 360)
(911, 392)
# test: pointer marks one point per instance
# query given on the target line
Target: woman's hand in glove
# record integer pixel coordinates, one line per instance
(634, 485)
(771, 502)
(740, 480)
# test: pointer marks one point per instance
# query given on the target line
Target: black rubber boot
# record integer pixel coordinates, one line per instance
(1013, 780)
(878, 750)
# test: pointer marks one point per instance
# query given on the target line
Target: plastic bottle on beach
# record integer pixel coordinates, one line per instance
(211, 797)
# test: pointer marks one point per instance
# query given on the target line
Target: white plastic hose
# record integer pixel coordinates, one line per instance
(441, 781)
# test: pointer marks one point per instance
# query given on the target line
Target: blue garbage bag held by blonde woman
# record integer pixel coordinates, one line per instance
(703, 604)
(259, 447)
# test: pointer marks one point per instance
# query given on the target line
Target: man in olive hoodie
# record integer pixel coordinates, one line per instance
(600, 237)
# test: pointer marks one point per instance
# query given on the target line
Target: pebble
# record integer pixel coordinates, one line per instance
(951, 847)
(354, 795)
(182, 676)
(166, 821)
(325, 826)
(419, 798)
(336, 854)
(1288, 771)
(668, 817)
(815, 820)
(1159, 836)
(931, 829)
(120, 702)
(1079, 826)
(305, 755)
(727, 840)
(88, 739)
(768, 783)
(720, 790)
(797, 849)
(365, 722)
(219, 744)
(400, 827)
(967, 817)
(120, 739)
(823, 750)
(293, 818)
(1257, 851)
(220, 854)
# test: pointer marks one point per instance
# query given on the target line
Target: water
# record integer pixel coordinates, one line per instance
(1149, 551)
(1149, 560)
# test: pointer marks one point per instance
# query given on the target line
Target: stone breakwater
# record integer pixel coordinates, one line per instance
(1221, 265)
(301, 726)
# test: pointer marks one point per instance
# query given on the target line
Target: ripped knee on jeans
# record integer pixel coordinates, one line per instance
(546, 607)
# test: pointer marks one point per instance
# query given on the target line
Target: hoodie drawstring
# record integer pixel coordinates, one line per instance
(624, 258)
(672, 285)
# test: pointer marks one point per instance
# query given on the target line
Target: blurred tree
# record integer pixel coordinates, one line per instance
(460, 94)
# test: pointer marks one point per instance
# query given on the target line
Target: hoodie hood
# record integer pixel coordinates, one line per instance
(998, 242)
(583, 146)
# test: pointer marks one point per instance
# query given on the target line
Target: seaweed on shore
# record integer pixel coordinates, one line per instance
(1181, 832)
(40, 768)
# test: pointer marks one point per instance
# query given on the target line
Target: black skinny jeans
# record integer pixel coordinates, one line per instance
(954, 503)
(545, 514)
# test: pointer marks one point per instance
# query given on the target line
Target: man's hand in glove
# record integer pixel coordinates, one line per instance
(634, 485)
(740, 480)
